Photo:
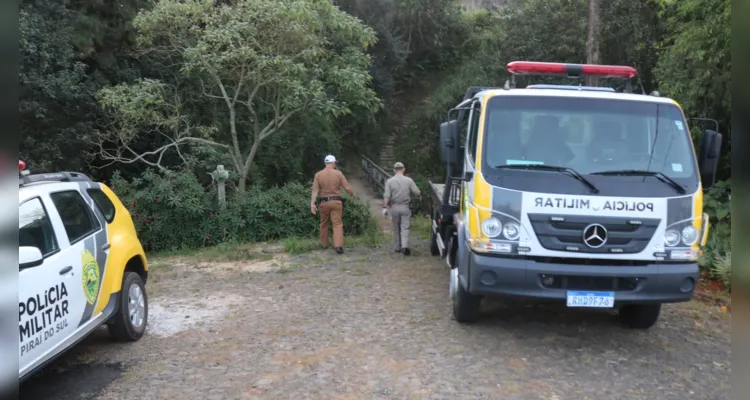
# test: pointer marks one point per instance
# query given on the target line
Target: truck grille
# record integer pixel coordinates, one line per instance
(569, 282)
(624, 235)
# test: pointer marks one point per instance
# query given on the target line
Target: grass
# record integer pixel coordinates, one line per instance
(305, 245)
(157, 265)
(253, 251)
(421, 226)
(233, 251)
(220, 252)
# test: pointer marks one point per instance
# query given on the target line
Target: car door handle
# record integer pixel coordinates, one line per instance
(105, 247)
(66, 270)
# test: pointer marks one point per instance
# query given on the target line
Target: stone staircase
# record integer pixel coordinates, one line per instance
(387, 155)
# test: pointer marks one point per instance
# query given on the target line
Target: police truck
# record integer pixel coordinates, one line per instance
(578, 194)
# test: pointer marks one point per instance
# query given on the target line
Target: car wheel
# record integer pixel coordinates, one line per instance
(129, 323)
(640, 316)
(465, 304)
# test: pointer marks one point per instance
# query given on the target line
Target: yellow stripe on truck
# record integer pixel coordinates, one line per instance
(483, 199)
(482, 194)
(698, 197)
(698, 219)
(124, 245)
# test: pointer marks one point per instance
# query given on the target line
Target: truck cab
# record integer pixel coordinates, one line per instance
(581, 195)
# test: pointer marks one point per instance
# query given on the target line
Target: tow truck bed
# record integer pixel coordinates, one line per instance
(444, 202)
(438, 190)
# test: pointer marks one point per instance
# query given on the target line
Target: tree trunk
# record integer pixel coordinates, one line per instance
(248, 163)
(592, 42)
(242, 183)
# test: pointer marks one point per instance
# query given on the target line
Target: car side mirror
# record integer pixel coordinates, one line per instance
(708, 160)
(448, 141)
(29, 256)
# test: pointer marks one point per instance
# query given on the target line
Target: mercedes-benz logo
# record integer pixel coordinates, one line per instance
(595, 236)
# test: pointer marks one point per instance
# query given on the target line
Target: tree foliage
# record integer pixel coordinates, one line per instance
(695, 63)
(56, 104)
(68, 50)
(265, 61)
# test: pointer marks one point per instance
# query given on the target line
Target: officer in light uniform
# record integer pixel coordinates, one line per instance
(327, 184)
(397, 195)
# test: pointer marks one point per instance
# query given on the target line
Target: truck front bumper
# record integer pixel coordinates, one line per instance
(523, 277)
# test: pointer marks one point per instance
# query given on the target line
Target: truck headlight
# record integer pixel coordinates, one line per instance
(671, 238)
(511, 231)
(689, 235)
(492, 227)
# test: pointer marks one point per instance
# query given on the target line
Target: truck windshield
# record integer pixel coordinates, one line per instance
(589, 135)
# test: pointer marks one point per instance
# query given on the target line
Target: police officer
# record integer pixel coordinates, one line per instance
(398, 191)
(327, 184)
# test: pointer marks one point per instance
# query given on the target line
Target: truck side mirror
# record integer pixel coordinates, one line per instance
(708, 160)
(448, 141)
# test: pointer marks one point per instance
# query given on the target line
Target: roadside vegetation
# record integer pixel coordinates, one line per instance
(151, 95)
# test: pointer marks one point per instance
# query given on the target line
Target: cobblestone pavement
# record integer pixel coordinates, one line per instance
(372, 324)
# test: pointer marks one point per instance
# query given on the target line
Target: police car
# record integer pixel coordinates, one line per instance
(81, 266)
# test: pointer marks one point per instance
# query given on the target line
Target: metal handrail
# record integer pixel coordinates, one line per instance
(375, 175)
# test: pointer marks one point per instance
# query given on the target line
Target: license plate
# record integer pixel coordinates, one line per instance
(591, 299)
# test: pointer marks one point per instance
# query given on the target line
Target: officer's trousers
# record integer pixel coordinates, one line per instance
(332, 209)
(401, 218)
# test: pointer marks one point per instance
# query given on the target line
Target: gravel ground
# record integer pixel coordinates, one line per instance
(372, 324)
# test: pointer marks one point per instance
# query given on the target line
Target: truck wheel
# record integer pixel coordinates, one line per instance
(465, 304)
(640, 316)
(434, 249)
(129, 323)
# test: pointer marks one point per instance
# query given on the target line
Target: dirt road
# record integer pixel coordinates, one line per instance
(373, 324)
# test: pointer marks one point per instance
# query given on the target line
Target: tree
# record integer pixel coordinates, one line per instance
(56, 102)
(695, 65)
(264, 61)
(592, 42)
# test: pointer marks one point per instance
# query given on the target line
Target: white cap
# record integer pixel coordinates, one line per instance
(330, 158)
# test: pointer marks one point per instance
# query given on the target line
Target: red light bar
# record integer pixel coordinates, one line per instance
(570, 70)
(21, 165)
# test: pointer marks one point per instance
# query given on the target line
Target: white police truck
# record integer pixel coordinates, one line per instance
(582, 195)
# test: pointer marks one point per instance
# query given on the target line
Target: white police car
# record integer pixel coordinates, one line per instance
(81, 265)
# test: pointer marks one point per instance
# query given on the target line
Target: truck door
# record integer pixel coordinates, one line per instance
(467, 189)
(470, 158)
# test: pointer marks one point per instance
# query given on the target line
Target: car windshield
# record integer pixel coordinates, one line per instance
(589, 135)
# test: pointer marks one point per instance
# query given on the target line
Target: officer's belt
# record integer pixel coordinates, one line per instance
(399, 204)
(324, 199)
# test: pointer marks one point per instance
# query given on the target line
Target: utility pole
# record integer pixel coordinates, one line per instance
(592, 42)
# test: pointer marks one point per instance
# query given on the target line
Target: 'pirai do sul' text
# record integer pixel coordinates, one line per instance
(41, 312)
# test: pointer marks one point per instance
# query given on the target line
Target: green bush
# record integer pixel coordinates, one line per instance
(721, 269)
(173, 211)
(716, 254)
